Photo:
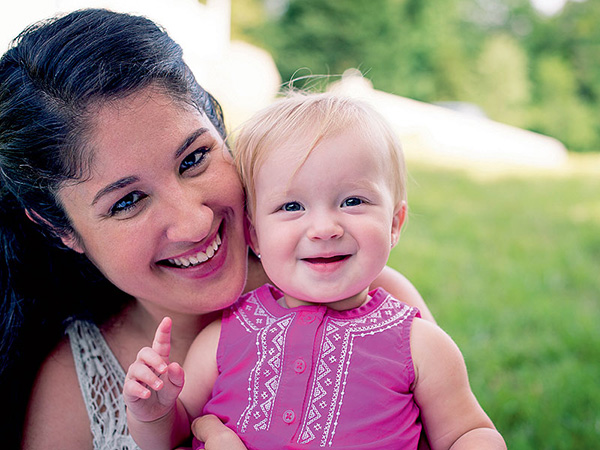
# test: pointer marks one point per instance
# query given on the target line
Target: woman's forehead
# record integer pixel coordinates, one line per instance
(142, 119)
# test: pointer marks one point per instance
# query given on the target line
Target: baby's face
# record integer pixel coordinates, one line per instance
(324, 229)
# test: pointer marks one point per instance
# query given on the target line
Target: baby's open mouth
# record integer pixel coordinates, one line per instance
(327, 260)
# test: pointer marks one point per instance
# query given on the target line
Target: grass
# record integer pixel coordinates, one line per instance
(509, 264)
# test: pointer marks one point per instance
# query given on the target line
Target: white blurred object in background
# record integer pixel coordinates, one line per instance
(242, 77)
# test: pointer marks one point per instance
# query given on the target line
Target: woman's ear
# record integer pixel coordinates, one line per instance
(73, 242)
(70, 240)
(398, 221)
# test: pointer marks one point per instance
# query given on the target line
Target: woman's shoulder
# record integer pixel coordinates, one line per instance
(401, 288)
(56, 408)
(57, 368)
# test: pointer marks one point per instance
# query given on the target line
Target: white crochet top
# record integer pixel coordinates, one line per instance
(101, 380)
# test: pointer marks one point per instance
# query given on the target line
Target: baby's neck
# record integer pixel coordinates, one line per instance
(362, 298)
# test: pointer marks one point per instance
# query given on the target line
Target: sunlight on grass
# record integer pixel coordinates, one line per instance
(509, 262)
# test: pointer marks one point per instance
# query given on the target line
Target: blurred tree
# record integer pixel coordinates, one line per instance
(567, 75)
(433, 56)
(496, 53)
(573, 35)
(503, 87)
(559, 110)
(329, 37)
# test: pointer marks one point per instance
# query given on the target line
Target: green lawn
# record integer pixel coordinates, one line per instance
(510, 267)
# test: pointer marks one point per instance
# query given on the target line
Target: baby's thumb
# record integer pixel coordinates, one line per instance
(176, 375)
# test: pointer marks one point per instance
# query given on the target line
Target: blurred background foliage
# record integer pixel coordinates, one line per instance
(509, 266)
(520, 66)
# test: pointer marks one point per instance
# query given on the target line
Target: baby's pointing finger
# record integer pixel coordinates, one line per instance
(162, 338)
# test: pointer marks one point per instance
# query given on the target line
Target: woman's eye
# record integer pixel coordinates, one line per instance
(292, 207)
(352, 201)
(127, 203)
(194, 159)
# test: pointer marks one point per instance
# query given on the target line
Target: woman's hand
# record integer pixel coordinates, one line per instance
(210, 430)
(152, 385)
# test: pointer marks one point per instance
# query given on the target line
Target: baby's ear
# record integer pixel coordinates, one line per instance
(398, 221)
(70, 240)
(250, 233)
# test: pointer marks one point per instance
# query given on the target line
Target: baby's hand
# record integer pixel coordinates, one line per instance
(152, 385)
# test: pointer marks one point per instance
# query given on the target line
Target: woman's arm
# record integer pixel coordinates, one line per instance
(398, 285)
(56, 414)
(451, 415)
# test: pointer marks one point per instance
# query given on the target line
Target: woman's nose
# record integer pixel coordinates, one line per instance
(188, 218)
(324, 226)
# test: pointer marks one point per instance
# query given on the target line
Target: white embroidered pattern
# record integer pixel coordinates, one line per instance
(264, 378)
(331, 367)
(333, 364)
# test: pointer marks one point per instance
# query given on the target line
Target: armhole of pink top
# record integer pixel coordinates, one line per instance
(101, 380)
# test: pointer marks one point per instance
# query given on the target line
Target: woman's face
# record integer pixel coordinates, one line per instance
(162, 213)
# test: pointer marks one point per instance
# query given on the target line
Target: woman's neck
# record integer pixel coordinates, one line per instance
(135, 327)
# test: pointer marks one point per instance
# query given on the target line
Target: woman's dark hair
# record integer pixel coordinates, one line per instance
(53, 77)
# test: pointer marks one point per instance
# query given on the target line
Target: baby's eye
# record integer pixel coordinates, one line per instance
(196, 158)
(292, 207)
(127, 203)
(352, 201)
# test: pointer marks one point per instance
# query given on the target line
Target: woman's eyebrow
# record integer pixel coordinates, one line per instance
(119, 184)
(191, 138)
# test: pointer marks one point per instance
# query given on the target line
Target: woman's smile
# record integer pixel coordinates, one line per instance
(196, 258)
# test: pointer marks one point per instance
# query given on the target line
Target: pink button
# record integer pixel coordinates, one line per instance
(307, 317)
(289, 416)
(299, 365)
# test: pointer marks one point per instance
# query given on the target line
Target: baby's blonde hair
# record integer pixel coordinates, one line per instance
(317, 116)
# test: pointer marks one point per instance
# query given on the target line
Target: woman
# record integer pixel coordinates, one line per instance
(110, 147)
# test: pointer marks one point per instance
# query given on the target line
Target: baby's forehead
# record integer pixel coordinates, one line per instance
(302, 141)
(346, 156)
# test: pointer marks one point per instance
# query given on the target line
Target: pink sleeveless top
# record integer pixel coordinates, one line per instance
(311, 377)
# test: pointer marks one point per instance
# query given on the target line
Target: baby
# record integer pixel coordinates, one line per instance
(316, 359)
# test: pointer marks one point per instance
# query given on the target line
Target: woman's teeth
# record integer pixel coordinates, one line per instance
(198, 258)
